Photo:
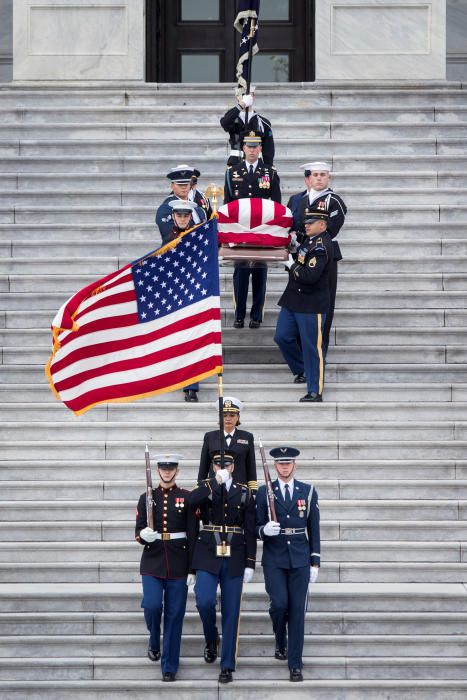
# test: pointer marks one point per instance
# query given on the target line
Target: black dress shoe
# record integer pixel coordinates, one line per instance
(312, 398)
(191, 396)
(239, 323)
(225, 676)
(154, 654)
(299, 379)
(296, 675)
(168, 677)
(210, 651)
(280, 654)
(254, 324)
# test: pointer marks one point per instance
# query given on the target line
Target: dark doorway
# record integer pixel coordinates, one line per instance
(194, 41)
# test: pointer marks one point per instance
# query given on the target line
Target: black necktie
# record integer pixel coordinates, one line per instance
(251, 171)
(287, 498)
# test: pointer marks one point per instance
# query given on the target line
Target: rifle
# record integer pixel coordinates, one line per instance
(268, 482)
(149, 510)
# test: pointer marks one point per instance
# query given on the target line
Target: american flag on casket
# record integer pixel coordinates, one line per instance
(254, 222)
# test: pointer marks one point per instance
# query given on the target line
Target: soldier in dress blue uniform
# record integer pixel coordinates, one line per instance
(240, 443)
(291, 555)
(180, 178)
(233, 122)
(317, 178)
(195, 195)
(251, 178)
(224, 555)
(166, 562)
(305, 303)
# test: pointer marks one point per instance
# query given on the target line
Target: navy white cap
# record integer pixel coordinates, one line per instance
(182, 206)
(284, 454)
(181, 174)
(316, 165)
(232, 404)
(168, 460)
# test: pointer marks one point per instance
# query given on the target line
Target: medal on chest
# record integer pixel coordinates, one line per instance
(179, 503)
(301, 505)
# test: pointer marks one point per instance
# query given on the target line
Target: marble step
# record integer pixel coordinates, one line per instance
(417, 509)
(51, 448)
(256, 413)
(113, 552)
(134, 668)
(329, 147)
(343, 530)
(122, 572)
(342, 597)
(259, 623)
(194, 114)
(343, 166)
(67, 468)
(331, 488)
(209, 690)
(349, 282)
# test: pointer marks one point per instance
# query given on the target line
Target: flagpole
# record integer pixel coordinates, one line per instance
(250, 61)
(221, 417)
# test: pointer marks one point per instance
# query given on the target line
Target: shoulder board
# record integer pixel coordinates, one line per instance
(229, 167)
(239, 483)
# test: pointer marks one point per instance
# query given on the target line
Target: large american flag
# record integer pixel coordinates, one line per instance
(255, 222)
(151, 327)
(248, 11)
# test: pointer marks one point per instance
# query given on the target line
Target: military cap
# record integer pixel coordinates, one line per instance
(182, 206)
(317, 213)
(315, 165)
(284, 454)
(232, 404)
(181, 174)
(168, 460)
(252, 138)
(217, 460)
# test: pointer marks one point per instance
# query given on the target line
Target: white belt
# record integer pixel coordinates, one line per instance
(170, 535)
(236, 153)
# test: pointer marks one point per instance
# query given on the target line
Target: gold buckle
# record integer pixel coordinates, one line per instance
(223, 550)
(165, 536)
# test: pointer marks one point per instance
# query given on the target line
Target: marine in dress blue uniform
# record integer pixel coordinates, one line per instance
(304, 305)
(180, 178)
(240, 443)
(224, 555)
(233, 122)
(291, 555)
(166, 563)
(251, 178)
(337, 210)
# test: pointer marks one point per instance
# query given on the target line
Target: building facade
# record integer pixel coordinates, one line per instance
(184, 41)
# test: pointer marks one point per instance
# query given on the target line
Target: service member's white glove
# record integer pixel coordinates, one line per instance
(271, 529)
(248, 575)
(222, 476)
(288, 263)
(148, 534)
(190, 580)
(247, 100)
(293, 242)
(314, 573)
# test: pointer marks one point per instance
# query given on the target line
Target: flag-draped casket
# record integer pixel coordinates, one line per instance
(255, 222)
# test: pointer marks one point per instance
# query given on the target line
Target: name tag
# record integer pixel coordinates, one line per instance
(243, 442)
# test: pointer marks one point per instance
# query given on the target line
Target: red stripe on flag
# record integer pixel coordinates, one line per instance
(146, 386)
(256, 212)
(100, 303)
(134, 341)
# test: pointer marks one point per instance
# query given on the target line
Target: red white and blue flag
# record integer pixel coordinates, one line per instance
(151, 327)
(255, 222)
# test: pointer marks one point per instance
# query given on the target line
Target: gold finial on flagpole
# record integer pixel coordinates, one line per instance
(213, 191)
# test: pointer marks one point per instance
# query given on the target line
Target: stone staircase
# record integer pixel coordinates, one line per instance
(81, 173)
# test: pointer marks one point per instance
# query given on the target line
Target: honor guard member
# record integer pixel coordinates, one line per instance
(195, 195)
(166, 562)
(182, 216)
(180, 178)
(251, 178)
(291, 555)
(225, 553)
(304, 305)
(317, 179)
(233, 122)
(240, 443)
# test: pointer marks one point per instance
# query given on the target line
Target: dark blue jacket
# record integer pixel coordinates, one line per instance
(165, 221)
(290, 551)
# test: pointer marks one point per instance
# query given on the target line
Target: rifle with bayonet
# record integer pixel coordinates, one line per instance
(149, 502)
(268, 482)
